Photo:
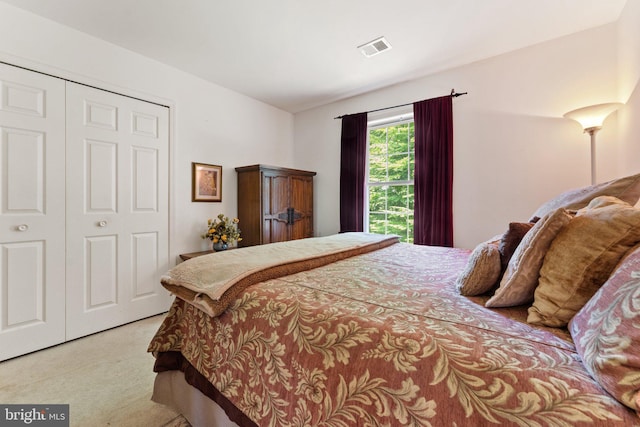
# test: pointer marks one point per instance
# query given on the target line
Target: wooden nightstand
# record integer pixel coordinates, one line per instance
(185, 257)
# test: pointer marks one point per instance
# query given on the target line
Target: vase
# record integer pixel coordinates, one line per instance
(220, 246)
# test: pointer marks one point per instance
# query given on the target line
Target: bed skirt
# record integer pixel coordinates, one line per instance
(181, 387)
(171, 389)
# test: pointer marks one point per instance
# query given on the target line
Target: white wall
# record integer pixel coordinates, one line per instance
(513, 149)
(629, 90)
(210, 124)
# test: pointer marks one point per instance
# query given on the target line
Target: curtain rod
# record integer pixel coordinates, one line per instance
(453, 94)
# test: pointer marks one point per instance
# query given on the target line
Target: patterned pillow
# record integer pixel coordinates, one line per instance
(521, 276)
(482, 271)
(606, 332)
(581, 259)
(626, 189)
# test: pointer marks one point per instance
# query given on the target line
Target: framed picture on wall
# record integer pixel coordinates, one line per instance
(206, 182)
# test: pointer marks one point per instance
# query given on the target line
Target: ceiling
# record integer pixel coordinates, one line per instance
(299, 54)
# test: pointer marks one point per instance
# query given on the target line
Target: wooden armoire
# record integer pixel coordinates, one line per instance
(274, 204)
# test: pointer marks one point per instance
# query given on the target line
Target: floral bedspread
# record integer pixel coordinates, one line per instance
(383, 339)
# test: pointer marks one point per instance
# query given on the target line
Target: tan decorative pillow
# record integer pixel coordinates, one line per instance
(482, 271)
(521, 276)
(582, 257)
(626, 189)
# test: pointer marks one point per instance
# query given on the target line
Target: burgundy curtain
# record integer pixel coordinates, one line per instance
(433, 180)
(353, 165)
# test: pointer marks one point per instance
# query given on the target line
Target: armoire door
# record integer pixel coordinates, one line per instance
(32, 211)
(302, 205)
(275, 205)
(117, 209)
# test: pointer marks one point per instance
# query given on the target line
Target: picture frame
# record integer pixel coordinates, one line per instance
(206, 182)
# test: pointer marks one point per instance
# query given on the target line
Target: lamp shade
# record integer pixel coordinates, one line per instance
(594, 115)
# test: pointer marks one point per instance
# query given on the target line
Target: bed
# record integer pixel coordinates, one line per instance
(359, 329)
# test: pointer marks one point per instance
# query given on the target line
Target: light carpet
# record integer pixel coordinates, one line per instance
(106, 379)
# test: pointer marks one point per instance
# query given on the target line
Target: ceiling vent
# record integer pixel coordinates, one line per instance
(374, 47)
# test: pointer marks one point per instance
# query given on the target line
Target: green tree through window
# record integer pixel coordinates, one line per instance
(390, 184)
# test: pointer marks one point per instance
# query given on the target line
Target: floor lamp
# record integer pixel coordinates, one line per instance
(591, 119)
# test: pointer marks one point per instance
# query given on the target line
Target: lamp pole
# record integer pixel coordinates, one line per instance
(592, 133)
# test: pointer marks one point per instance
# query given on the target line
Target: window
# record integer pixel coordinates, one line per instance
(391, 161)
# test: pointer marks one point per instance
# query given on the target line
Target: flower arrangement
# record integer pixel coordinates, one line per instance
(222, 229)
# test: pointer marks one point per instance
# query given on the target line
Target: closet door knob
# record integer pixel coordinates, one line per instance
(102, 223)
(22, 227)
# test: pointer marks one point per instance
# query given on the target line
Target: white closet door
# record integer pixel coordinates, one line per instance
(32, 217)
(117, 209)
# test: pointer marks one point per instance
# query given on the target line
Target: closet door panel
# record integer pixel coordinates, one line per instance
(100, 281)
(144, 187)
(144, 248)
(147, 226)
(93, 205)
(24, 283)
(118, 196)
(101, 176)
(23, 152)
(32, 191)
